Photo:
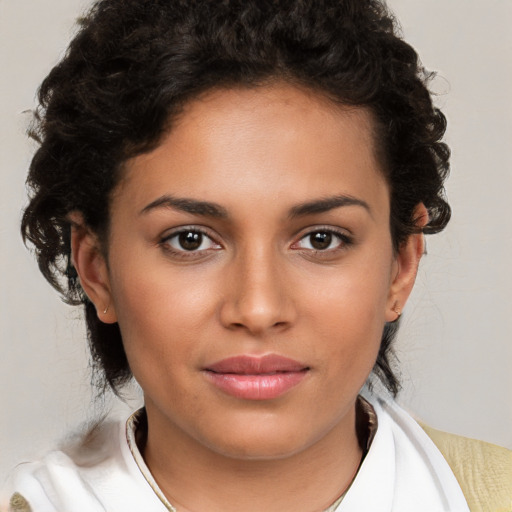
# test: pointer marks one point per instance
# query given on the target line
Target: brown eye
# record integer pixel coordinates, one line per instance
(323, 240)
(320, 240)
(190, 240)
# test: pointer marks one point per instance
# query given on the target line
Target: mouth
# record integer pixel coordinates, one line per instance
(256, 378)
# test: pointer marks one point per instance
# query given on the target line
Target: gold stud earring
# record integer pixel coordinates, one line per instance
(397, 310)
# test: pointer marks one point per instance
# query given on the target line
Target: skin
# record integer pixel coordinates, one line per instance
(256, 286)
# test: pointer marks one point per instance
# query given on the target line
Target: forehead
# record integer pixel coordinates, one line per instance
(279, 142)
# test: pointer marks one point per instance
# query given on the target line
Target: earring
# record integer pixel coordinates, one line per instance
(106, 309)
(397, 310)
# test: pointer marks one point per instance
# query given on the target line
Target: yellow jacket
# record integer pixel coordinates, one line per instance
(483, 470)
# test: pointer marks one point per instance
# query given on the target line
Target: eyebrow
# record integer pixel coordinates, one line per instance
(193, 206)
(208, 209)
(326, 204)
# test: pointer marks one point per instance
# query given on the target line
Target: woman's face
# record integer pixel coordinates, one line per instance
(251, 270)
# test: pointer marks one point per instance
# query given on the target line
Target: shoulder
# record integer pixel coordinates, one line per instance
(483, 470)
(61, 479)
(49, 485)
(93, 472)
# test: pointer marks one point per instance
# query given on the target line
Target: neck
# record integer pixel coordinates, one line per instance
(194, 477)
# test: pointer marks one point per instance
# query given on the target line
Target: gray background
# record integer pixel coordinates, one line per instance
(454, 346)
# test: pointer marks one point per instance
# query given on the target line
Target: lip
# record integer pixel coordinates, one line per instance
(256, 377)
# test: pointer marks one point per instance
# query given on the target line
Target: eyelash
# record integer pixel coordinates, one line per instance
(183, 253)
(344, 240)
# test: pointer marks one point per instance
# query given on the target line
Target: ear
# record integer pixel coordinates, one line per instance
(406, 267)
(92, 269)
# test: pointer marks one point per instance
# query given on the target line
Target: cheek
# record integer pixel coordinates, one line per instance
(353, 294)
(347, 310)
(159, 311)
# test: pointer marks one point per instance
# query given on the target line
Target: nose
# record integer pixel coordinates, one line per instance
(257, 295)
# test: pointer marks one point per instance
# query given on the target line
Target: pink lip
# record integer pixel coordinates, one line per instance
(256, 378)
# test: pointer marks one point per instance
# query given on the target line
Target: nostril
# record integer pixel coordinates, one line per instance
(241, 325)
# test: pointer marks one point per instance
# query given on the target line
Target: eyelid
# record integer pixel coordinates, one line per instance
(343, 235)
(186, 227)
(174, 232)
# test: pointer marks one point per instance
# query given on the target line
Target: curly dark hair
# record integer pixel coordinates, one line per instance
(134, 64)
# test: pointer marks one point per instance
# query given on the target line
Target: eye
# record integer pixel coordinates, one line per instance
(322, 240)
(189, 241)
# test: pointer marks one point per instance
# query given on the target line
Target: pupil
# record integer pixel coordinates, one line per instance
(190, 240)
(321, 240)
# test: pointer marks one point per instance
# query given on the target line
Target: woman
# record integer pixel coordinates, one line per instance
(237, 193)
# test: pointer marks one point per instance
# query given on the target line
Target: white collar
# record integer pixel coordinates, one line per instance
(403, 470)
